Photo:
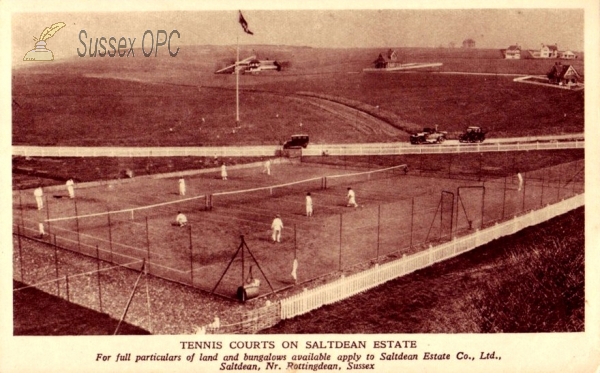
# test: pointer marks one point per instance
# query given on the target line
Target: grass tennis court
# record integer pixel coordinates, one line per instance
(399, 213)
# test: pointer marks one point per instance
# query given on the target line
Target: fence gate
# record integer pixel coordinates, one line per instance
(469, 207)
(442, 221)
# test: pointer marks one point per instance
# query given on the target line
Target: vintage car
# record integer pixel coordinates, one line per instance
(428, 136)
(472, 134)
(296, 141)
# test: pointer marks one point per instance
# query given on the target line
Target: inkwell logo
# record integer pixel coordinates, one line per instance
(40, 53)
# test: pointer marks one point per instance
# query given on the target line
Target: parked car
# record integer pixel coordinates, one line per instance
(472, 134)
(428, 136)
(296, 141)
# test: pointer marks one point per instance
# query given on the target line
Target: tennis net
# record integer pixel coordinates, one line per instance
(170, 208)
(273, 191)
(365, 176)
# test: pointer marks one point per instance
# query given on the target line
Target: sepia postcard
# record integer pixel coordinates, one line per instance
(301, 186)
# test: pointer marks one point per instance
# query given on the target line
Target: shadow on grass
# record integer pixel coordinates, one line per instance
(40, 314)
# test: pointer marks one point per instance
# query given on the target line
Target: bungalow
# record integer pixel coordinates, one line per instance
(568, 55)
(385, 62)
(513, 52)
(563, 75)
(549, 51)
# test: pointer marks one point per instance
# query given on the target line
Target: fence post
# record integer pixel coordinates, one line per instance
(21, 209)
(20, 251)
(77, 225)
(148, 301)
(147, 238)
(56, 269)
(47, 213)
(110, 236)
(378, 228)
(524, 190)
(340, 254)
(67, 282)
(191, 255)
(504, 198)
(98, 277)
(412, 219)
(542, 194)
(480, 166)
(450, 165)
(558, 189)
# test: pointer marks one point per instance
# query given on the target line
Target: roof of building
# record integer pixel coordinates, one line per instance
(559, 71)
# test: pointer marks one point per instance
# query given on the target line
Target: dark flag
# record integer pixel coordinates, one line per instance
(244, 24)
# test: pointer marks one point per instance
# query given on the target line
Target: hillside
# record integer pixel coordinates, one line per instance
(180, 101)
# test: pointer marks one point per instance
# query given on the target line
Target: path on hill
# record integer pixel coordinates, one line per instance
(357, 119)
(360, 120)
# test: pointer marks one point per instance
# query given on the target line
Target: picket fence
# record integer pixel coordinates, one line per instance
(402, 148)
(346, 287)
(393, 148)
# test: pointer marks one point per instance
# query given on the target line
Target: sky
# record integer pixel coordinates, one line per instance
(337, 28)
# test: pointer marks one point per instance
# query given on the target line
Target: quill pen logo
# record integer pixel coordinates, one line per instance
(41, 53)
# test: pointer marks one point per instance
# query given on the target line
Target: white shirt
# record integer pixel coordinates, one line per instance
(70, 183)
(277, 224)
(351, 194)
(308, 201)
(181, 219)
(38, 192)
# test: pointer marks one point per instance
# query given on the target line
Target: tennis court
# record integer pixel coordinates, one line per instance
(399, 213)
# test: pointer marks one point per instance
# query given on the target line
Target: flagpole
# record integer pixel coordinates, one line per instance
(237, 82)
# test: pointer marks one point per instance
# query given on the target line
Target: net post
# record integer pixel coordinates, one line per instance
(98, 277)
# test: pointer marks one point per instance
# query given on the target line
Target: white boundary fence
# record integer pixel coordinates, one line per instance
(346, 287)
(402, 148)
(393, 148)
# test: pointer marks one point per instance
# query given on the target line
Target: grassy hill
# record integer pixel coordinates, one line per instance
(179, 101)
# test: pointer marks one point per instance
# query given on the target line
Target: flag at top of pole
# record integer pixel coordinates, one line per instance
(245, 24)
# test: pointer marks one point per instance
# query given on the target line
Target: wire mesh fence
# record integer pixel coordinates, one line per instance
(387, 225)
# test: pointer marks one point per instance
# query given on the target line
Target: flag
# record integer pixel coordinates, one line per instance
(244, 24)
